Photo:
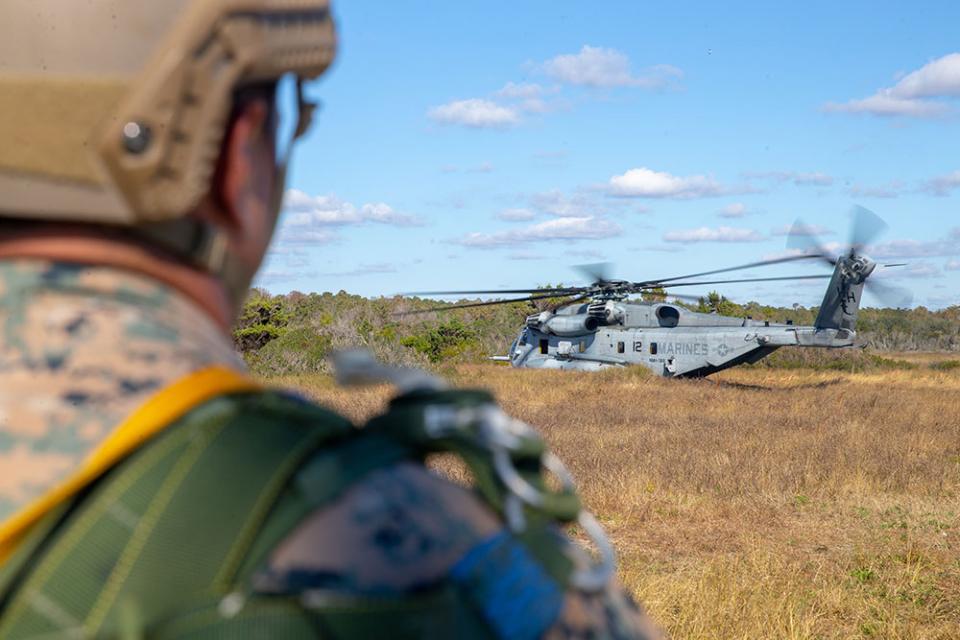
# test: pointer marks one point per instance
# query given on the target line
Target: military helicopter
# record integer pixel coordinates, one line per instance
(598, 328)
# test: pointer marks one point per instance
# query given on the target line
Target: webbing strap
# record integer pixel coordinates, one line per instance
(160, 410)
(407, 421)
(11, 569)
(174, 520)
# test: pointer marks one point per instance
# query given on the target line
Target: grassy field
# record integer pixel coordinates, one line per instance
(759, 503)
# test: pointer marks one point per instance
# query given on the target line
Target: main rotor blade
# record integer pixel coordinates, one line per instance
(693, 284)
(563, 303)
(749, 265)
(473, 304)
(557, 290)
(866, 226)
(597, 272)
(889, 295)
(684, 296)
(800, 238)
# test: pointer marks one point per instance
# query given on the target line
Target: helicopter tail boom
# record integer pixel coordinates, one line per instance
(841, 302)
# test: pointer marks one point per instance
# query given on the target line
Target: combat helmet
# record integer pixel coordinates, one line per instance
(113, 111)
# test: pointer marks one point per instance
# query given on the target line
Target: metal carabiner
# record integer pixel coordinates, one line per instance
(597, 576)
(501, 435)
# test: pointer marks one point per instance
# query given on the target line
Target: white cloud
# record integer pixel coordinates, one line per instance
(942, 185)
(475, 113)
(915, 248)
(952, 265)
(911, 95)
(516, 215)
(734, 210)
(718, 234)
(568, 228)
(313, 220)
(556, 203)
(601, 67)
(592, 66)
(938, 78)
(647, 183)
(884, 104)
(527, 97)
(305, 211)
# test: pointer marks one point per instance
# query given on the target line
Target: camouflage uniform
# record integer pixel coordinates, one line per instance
(80, 349)
(84, 346)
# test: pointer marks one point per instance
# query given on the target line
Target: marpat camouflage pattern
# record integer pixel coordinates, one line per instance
(83, 347)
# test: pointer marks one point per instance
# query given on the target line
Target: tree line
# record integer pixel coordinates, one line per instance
(295, 332)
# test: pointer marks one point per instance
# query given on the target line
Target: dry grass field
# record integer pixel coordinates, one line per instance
(758, 503)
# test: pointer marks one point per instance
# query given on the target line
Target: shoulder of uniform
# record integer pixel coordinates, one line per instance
(288, 407)
(363, 517)
(404, 529)
(397, 528)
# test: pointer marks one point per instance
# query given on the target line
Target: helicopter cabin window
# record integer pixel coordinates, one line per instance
(620, 347)
(544, 345)
(653, 348)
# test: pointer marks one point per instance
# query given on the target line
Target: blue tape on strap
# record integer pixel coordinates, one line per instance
(513, 592)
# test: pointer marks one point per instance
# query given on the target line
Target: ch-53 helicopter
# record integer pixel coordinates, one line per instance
(598, 328)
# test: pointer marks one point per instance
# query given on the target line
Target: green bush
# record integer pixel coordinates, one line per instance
(444, 341)
(262, 319)
(850, 360)
(298, 350)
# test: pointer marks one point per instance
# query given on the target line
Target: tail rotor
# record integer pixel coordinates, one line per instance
(852, 268)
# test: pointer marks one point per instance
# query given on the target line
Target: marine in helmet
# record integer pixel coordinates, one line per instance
(148, 487)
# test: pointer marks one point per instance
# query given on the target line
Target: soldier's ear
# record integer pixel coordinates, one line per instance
(244, 179)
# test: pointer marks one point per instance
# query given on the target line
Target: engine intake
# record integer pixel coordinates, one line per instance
(571, 325)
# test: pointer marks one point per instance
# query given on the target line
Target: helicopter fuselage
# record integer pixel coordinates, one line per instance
(666, 338)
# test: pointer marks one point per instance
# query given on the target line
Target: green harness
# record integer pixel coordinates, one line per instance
(167, 543)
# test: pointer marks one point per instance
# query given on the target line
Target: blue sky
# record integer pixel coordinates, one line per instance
(473, 145)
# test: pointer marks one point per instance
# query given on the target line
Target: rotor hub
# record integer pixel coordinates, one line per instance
(856, 268)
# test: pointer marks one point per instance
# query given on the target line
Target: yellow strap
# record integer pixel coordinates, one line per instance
(158, 412)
